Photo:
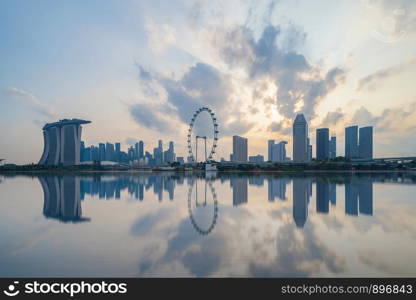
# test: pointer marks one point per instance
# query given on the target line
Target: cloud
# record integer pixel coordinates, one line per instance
(298, 256)
(388, 120)
(298, 82)
(371, 81)
(200, 85)
(332, 118)
(150, 117)
(275, 126)
(160, 36)
(31, 100)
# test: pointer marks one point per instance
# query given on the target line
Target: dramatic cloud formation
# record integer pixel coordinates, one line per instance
(201, 85)
(300, 86)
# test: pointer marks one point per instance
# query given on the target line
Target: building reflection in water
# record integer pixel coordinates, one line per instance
(63, 195)
(276, 189)
(322, 197)
(62, 198)
(359, 196)
(301, 194)
(239, 187)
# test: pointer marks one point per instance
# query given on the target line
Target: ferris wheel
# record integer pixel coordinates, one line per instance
(208, 157)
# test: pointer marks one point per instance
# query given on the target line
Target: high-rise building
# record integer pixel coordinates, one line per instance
(322, 144)
(279, 152)
(118, 152)
(170, 153)
(333, 147)
(136, 151)
(158, 155)
(101, 149)
(141, 149)
(109, 152)
(130, 153)
(351, 142)
(240, 149)
(62, 142)
(366, 142)
(300, 139)
(270, 144)
(95, 153)
(86, 156)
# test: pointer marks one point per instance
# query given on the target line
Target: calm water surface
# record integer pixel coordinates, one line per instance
(174, 225)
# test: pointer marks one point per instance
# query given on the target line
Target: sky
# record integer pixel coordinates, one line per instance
(139, 69)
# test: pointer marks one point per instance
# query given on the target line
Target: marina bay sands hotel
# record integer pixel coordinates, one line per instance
(62, 142)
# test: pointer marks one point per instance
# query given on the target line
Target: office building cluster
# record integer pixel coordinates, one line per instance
(135, 154)
(358, 142)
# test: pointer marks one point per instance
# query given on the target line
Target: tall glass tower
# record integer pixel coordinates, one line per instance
(300, 139)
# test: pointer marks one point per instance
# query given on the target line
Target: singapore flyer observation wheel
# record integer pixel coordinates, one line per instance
(194, 158)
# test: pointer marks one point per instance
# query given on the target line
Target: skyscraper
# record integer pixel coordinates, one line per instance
(333, 147)
(279, 152)
(62, 142)
(109, 152)
(101, 149)
(351, 142)
(240, 149)
(158, 155)
(366, 142)
(169, 155)
(141, 149)
(270, 144)
(118, 152)
(136, 151)
(322, 143)
(300, 139)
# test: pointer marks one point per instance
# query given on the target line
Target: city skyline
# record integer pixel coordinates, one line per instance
(63, 146)
(139, 75)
